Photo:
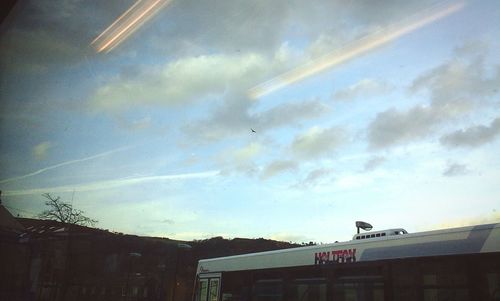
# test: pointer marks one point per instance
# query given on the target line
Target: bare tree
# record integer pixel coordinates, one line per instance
(64, 212)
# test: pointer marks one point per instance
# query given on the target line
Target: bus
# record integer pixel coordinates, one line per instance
(452, 264)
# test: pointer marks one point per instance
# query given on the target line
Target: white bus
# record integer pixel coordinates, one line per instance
(453, 264)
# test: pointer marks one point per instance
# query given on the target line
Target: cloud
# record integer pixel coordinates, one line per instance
(35, 51)
(235, 116)
(374, 162)
(48, 34)
(488, 218)
(248, 152)
(289, 113)
(277, 167)
(178, 82)
(139, 124)
(241, 159)
(314, 177)
(111, 184)
(317, 143)
(168, 221)
(393, 127)
(41, 150)
(365, 87)
(473, 136)
(455, 169)
(359, 47)
(456, 88)
(460, 83)
(288, 237)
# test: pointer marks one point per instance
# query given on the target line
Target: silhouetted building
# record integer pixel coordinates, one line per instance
(51, 261)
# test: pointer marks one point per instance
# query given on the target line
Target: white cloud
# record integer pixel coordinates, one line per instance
(365, 87)
(277, 167)
(248, 152)
(240, 159)
(41, 150)
(179, 82)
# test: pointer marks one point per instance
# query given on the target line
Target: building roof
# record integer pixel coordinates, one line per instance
(8, 222)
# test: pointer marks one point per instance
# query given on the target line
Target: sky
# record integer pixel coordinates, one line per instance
(286, 120)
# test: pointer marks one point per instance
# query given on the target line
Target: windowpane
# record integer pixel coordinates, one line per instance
(268, 290)
(214, 289)
(359, 288)
(435, 294)
(203, 290)
(308, 291)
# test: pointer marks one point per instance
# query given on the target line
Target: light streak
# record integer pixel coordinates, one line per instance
(127, 23)
(353, 50)
(116, 21)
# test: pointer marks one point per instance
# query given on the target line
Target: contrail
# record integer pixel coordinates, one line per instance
(112, 183)
(354, 49)
(64, 164)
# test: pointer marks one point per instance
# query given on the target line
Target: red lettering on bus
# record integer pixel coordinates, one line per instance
(335, 256)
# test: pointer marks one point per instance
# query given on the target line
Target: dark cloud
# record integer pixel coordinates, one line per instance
(168, 221)
(460, 84)
(374, 162)
(456, 88)
(473, 136)
(314, 177)
(48, 34)
(260, 25)
(279, 166)
(393, 127)
(235, 116)
(317, 143)
(36, 51)
(290, 113)
(455, 169)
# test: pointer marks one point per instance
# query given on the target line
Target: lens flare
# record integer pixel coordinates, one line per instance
(127, 24)
(354, 49)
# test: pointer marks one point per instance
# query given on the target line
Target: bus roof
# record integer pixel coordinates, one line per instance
(464, 240)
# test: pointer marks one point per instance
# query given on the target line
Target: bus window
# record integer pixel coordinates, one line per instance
(202, 290)
(444, 280)
(359, 285)
(268, 290)
(308, 290)
(236, 287)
